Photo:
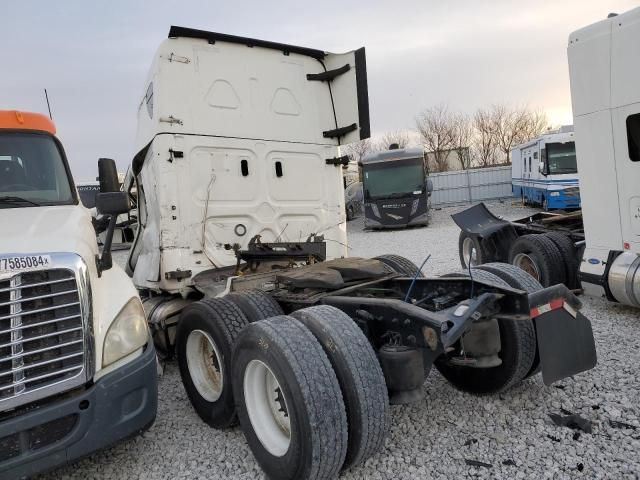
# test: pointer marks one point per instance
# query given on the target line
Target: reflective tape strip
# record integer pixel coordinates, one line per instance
(548, 307)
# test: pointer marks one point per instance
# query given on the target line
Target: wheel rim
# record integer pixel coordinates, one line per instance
(469, 252)
(526, 263)
(267, 408)
(205, 365)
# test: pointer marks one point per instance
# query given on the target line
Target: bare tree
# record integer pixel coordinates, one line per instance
(357, 150)
(435, 126)
(399, 137)
(484, 145)
(462, 135)
(513, 126)
(536, 124)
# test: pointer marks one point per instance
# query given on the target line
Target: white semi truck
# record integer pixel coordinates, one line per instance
(597, 249)
(241, 254)
(77, 367)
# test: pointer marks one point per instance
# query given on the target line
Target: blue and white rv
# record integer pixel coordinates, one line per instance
(544, 171)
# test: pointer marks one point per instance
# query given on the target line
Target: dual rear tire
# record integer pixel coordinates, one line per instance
(307, 389)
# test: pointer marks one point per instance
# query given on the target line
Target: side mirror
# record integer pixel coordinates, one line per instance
(110, 201)
(541, 168)
(429, 186)
(108, 175)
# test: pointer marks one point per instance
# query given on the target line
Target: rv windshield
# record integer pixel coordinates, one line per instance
(32, 171)
(561, 158)
(393, 178)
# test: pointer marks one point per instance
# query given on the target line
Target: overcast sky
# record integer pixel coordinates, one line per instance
(93, 56)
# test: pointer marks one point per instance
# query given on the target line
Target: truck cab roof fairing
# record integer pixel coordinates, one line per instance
(212, 37)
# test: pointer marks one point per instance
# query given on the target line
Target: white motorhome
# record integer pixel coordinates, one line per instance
(604, 65)
(77, 367)
(544, 171)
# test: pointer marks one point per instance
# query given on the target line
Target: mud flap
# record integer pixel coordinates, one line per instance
(565, 344)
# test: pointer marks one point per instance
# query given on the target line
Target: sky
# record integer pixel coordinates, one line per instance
(93, 57)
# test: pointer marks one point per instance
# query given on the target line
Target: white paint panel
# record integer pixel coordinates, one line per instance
(625, 58)
(628, 174)
(231, 90)
(598, 181)
(589, 59)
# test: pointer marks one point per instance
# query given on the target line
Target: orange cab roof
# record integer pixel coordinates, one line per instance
(16, 120)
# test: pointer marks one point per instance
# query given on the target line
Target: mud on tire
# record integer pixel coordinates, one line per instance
(289, 401)
(359, 374)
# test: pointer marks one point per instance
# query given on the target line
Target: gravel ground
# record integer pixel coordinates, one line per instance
(511, 433)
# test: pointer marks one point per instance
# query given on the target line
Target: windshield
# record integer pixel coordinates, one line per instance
(393, 179)
(32, 171)
(561, 158)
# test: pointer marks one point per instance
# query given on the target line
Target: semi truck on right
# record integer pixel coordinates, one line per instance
(598, 248)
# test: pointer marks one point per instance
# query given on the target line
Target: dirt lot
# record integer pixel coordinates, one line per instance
(511, 434)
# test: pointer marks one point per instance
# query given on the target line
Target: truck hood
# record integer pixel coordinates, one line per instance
(62, 228)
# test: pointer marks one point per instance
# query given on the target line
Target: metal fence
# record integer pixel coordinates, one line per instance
(467, 186)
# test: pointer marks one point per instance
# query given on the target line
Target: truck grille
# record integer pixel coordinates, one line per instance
(41, 332)
(36, 437)
(572, 192)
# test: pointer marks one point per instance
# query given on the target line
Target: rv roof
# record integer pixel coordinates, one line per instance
(212, 37)
(392, 155)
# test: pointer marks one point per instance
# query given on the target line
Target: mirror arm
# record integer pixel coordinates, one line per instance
(105, 262)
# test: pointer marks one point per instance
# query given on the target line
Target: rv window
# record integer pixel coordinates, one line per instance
(535, 155)
(278, 169)
(244, 167)
(529, 164)
(633, 136)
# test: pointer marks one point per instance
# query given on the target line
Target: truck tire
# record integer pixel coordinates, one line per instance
(517, 352)
(256, 304)
(514, 276)
(569, 256)
(517, 278)
(469, 245)
(539, 257)
(400, 265)
(360, 377)
(204, 339)
(300, 430)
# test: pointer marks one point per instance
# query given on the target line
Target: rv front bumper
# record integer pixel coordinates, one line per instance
(418, 221)
(562, 200)
(120, 405)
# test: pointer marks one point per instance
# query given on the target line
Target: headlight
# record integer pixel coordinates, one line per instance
(414, 206)
(127, 333)
(555, 194)
(375, 210)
